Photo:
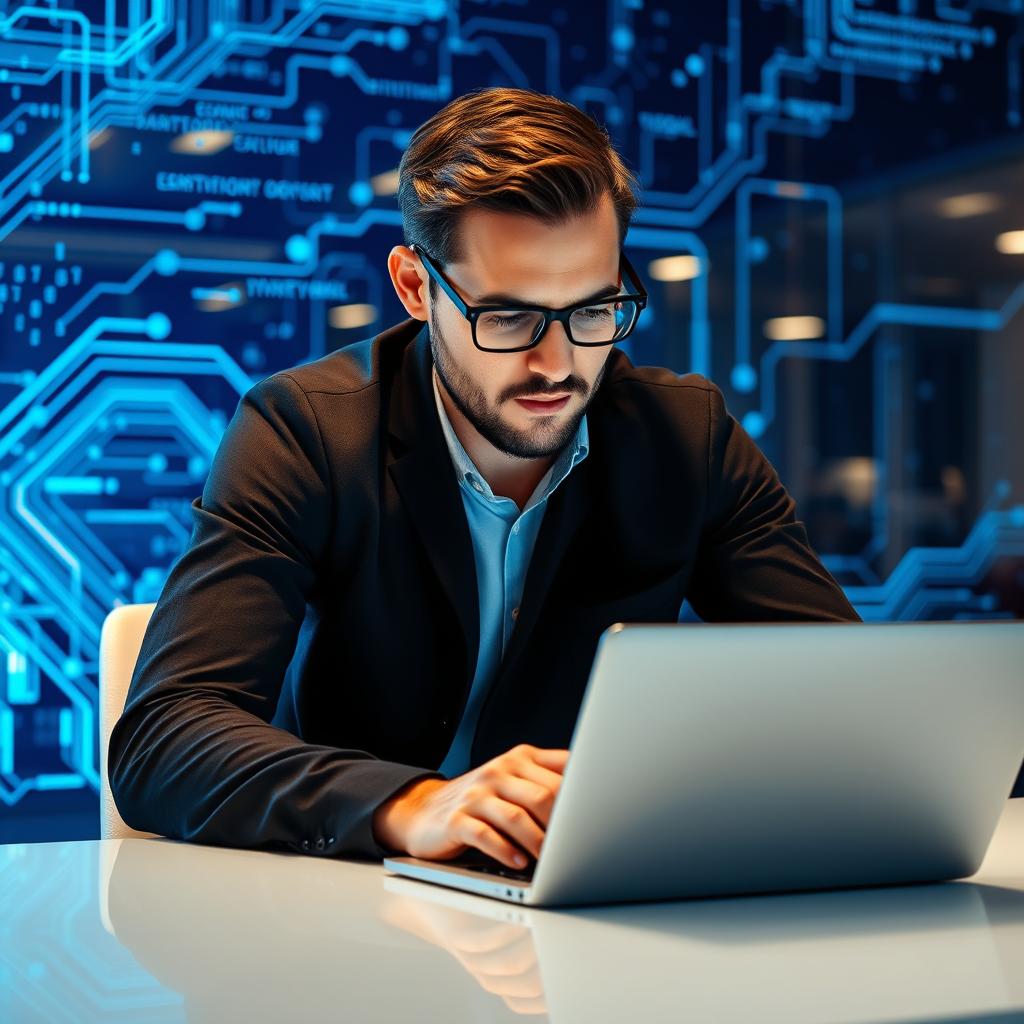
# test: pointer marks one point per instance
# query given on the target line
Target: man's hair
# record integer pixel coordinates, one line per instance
(512, 150)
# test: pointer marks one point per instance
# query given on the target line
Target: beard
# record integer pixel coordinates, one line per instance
(543, 440)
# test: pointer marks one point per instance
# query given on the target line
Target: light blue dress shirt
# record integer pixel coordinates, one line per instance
(503, 539)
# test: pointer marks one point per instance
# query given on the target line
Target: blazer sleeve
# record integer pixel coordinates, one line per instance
(754, 560)
(193, 755)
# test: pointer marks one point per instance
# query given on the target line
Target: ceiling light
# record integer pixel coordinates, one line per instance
(204, 143)
(794, 328)
(856, 478)
(385, 184)
(1011, 243)
(970, 204)
(354, 314)
(674, 268)
(96, 139)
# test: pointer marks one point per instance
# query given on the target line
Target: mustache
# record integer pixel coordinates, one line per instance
(573, 386)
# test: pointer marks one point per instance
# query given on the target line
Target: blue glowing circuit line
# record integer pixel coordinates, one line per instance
(881, 313)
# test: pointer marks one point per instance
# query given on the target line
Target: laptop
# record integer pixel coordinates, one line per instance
(714, 759)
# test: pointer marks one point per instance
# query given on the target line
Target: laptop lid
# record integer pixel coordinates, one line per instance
(723, 758)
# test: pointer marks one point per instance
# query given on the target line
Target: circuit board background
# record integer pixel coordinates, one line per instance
(194, 195)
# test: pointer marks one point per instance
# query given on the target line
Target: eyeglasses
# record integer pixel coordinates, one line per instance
(501, 328)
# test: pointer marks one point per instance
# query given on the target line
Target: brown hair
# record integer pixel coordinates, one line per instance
(513, 150)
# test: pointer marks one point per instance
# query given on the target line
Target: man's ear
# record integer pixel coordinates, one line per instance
(410, 281)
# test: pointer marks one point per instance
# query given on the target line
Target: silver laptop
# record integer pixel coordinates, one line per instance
(714, 759)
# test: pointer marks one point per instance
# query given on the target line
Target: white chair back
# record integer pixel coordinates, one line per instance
(120, 642)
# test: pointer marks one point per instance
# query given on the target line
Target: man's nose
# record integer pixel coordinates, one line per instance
(552, 356)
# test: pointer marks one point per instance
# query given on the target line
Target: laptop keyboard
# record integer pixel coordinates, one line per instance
(478, 861)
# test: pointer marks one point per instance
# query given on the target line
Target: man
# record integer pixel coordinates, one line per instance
(379, 635)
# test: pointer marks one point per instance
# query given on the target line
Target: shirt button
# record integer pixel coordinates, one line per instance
(515, 613)
(515, 529)
(475, 484)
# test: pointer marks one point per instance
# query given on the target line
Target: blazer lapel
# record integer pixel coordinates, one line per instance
(425, 480)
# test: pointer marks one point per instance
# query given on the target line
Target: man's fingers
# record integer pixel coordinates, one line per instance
(514, 821)
(511, 804)
(537, 773)
(550, 757)
(536, 798)
(481, 836)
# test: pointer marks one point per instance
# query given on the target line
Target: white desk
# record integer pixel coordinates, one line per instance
(151, 929)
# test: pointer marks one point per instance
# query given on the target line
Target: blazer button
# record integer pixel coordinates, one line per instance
(320, 843)
(305, 844)
(330, 839)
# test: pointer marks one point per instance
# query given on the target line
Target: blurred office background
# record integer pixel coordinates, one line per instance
(195, 195)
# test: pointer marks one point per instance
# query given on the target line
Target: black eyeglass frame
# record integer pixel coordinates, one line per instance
(472, 313)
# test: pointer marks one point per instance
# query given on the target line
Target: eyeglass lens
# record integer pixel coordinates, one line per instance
(598, 324)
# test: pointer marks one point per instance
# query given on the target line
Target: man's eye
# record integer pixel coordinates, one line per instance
(498, 320)
(595, 312)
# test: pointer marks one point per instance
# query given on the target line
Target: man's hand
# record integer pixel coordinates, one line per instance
(504, 802)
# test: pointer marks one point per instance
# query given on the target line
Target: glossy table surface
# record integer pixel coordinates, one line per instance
(153, 929)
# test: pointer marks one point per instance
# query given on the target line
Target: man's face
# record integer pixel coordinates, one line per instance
(516, 259)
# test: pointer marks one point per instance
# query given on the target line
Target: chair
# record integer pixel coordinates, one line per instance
(120, 642)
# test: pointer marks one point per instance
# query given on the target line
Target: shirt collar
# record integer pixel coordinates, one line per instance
(471, 478)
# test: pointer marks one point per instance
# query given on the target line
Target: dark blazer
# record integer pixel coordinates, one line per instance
(313, 646)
